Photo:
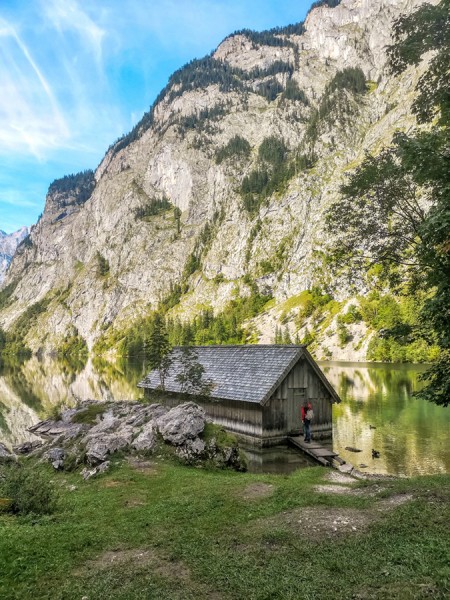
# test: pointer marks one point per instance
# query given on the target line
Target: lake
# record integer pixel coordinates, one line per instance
(378, 410)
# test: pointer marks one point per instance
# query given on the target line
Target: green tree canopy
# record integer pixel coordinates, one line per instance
(382, 212)
(158, 351)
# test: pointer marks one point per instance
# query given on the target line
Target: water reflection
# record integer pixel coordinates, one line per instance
(377, 410)
(29, 390)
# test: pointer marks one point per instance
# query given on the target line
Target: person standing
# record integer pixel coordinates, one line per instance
(307, 417)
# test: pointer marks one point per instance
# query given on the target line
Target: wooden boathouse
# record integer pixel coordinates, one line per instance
(257, 390)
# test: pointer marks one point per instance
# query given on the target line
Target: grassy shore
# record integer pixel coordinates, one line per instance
(155, 529)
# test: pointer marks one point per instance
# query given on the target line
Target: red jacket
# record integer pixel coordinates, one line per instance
(304, 411)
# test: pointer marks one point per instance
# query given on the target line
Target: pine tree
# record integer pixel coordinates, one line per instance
(159, 349)
(191, 376)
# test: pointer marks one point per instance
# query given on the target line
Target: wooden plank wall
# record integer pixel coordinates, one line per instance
(282, 414)
(300, 385)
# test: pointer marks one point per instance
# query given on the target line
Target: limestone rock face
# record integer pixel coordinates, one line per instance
(99, 265)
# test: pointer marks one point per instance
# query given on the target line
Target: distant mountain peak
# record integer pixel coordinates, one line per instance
(8, 247)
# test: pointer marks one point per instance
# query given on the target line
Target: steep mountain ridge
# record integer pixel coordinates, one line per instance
(108, 250)
(8, 246)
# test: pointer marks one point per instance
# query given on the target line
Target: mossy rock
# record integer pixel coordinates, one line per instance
(89, 414)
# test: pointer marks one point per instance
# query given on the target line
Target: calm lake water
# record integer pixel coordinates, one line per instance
(377, 411)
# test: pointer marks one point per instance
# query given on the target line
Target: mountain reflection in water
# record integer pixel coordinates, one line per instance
(411, 435)
(378, 411)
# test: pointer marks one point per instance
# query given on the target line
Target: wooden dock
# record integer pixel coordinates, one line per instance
(322, 455)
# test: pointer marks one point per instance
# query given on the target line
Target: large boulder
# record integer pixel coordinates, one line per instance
(147, 439)
(182, 423)
(107, 423)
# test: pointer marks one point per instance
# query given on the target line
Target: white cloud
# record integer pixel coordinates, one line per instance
(14, 198)
(30, 117)
(67, 15)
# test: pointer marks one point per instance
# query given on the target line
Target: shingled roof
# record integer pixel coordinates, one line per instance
(242, 373)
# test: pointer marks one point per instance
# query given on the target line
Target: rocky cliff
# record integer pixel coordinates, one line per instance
(222, 185)
(8, 246)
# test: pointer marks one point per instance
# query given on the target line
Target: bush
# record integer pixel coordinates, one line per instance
(334, 99)
(6, 294)
(352, 315)
(102, 265)
(28, 490)
(344, 335)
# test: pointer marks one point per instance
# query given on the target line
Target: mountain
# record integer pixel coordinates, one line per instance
(213, 204)
(8, 246)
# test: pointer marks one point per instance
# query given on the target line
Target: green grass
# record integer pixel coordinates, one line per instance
(186, 533)
(89, 415)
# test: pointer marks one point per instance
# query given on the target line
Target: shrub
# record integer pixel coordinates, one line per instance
(270, 89)
(352, 315)
(351, 79)
(74, 345)
(343, 335)
(77, 187)
(28, 489)
(102, 265)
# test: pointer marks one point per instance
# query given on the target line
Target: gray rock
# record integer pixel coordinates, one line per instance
(42, 427)
(182, 423)
(143, 414)
(147, 439)
(192, 450)
(100, 447)
(126, 432)
(51, 428)
(88, 473)
(107, 423)
(27, 447)
(66, 415)
(56, 457)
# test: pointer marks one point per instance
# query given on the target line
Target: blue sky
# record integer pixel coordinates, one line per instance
(77, 74)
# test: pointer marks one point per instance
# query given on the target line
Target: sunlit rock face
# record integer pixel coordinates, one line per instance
(176, 159)
(8, 246)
